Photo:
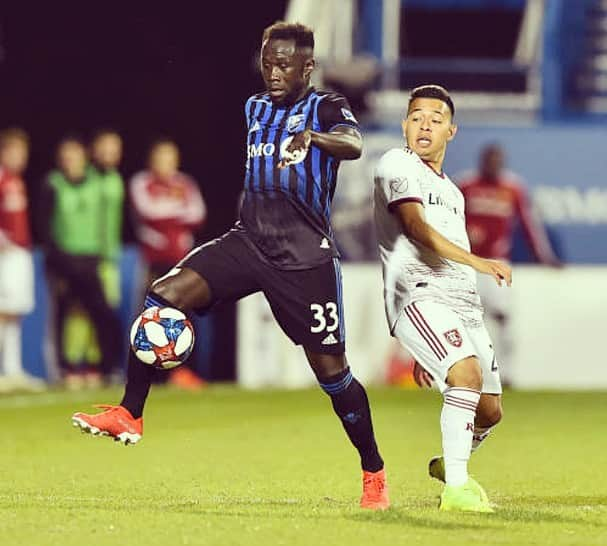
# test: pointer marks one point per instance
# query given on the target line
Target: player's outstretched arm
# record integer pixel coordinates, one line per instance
(342, 142)
(413, 220)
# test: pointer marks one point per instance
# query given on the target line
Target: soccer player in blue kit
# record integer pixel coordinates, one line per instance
(282, 245)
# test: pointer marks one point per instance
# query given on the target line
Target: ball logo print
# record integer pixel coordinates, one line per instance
(162, 337)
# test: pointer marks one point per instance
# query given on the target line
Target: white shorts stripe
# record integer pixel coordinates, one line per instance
(422, 333)
(436, 347)
(428, 328)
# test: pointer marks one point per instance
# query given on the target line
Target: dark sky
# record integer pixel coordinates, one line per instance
(148, 72)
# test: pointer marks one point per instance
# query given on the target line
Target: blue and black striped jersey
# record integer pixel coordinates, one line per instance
(285, 212)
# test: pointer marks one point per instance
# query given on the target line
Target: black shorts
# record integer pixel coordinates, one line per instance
(306, 303)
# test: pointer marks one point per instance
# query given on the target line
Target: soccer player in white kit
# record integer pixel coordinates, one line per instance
(430, 294)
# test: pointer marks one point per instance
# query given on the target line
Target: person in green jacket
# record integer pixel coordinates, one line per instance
(75, 225)
(106, 154)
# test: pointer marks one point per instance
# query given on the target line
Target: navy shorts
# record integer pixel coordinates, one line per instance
(307, 303)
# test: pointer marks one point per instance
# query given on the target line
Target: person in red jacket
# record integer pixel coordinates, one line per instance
(16, 266)
(168, 210)
(496, 202)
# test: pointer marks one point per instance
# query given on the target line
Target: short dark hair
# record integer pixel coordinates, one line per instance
(432, 91)
(71, 138)
(104, 131)
(281, 30)
(13, 134)
(162, 141)
(491, 147)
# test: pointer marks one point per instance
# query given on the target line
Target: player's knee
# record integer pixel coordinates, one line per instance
(466, 373)
(168, 291)
(326, 366)
(185, 290)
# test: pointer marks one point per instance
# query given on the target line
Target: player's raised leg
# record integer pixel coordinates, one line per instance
(184, 290)
(212, 273)
(351, 404)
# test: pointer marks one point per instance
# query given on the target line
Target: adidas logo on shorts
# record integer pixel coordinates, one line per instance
(329, 340)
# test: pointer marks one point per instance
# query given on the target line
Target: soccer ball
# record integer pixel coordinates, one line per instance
(162, 337)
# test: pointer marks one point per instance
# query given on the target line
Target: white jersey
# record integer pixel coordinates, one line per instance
(411, 271)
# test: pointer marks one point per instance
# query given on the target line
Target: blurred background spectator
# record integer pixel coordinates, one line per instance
(16, 266)
(169, 212)
(496, 201)
(105, 158)
(79, 212)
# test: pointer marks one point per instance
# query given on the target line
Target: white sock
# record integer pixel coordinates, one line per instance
(457, 426)
(11, 348)
(479, 436)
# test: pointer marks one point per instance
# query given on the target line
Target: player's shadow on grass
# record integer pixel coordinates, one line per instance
(404, 517)
(521, 510)
(329, 510)
(534, 509)
(580, 501)
(422, 513)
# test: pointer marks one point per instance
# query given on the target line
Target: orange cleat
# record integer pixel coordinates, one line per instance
(186, 379)
(115, 422)
(375, 491)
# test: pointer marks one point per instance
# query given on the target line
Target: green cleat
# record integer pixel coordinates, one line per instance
(480, 490)
(464, 498)
(436, 469)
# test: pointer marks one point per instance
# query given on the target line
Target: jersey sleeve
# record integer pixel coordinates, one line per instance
(398, 178)
(334, 111)
(248, 110)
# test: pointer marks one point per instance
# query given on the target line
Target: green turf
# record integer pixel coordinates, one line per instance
(269, 468)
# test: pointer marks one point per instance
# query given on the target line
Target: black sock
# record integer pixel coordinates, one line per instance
(138, 382)
(351, 404)
(139, 376)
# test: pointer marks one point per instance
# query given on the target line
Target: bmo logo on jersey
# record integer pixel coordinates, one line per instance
(266, 149)
(263, 149)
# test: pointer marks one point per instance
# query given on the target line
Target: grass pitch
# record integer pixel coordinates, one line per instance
(272, 468)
